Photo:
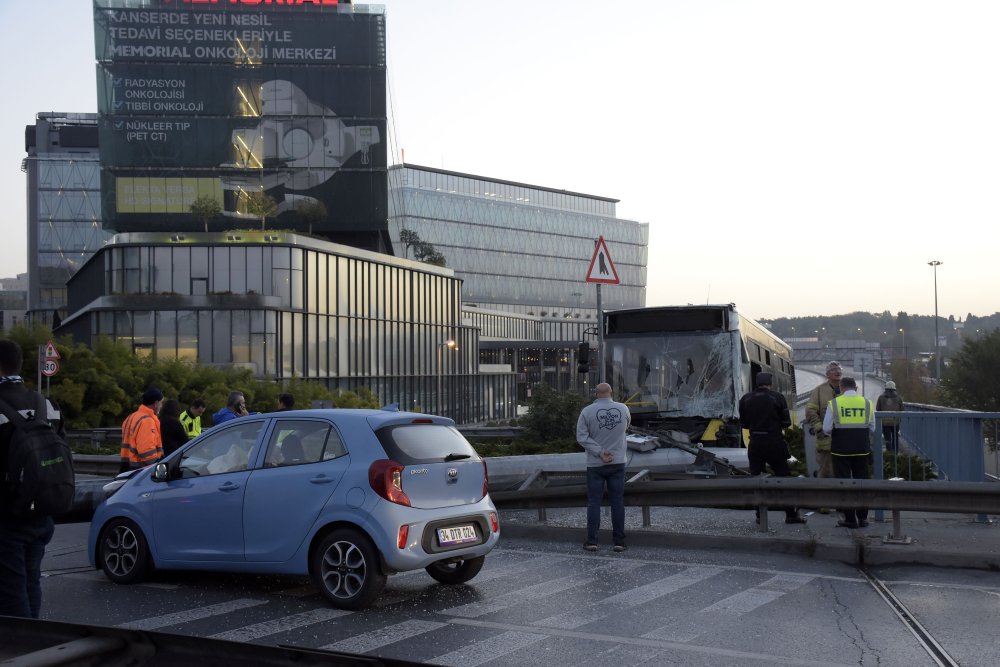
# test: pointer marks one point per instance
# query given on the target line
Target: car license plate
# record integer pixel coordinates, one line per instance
(457, 535)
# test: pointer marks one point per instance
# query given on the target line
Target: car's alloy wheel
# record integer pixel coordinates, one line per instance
(123, 552)
(346, 569)
(456, 572)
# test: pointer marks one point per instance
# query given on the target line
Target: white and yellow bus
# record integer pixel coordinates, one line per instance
(684, 368)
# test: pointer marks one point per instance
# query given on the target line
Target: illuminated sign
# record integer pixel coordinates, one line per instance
(225, 99)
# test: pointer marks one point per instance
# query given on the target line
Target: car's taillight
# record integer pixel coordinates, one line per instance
(494, 522)
(404, 532)
(486, 479)
(385, 478)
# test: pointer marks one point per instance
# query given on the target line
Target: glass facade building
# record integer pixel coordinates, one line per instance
(523, 252)
(519, 247)
(64, 206)
(286, 306)
(13, 301)
(273, 111)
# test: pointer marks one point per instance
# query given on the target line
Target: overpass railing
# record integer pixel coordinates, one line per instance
(953, 440)
(762, 493)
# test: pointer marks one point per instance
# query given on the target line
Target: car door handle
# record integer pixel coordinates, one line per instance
(321, 479)
(229, 486)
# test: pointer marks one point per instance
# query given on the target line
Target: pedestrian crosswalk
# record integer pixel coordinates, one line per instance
(588, 609)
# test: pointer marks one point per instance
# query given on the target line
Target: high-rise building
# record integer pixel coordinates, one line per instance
(519, 247)
(13, 300)
(275, 113)
(64, 207)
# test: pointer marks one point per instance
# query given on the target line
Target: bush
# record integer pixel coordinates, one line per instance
(552, 415)
(524, 447)
(907, 465)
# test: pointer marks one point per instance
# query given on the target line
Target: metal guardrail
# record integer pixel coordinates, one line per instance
(96, 464)
(28, 642)
(764, 492)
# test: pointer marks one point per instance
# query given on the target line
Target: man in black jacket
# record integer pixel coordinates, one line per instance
(765, 414)
(22, 539)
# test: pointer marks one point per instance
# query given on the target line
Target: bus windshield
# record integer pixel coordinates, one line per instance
(675, 375)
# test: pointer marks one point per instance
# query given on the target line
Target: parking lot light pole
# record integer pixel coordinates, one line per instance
(937, 341)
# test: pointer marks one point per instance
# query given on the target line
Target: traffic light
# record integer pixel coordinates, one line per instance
(583, 357)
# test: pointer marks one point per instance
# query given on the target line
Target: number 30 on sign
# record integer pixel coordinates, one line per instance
(50, 367)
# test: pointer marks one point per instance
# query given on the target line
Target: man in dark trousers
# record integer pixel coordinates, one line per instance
(890, 401)
(765, 414)
(850, 421)
(22, 538)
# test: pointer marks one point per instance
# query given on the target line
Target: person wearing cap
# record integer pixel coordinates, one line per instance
(819, 399)
(764, 413)
(890, 401)
(850, 421)
(141, 440)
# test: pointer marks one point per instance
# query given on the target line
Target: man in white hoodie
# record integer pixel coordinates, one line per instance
(601, 430)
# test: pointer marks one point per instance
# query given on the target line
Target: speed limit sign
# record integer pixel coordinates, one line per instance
(50, 367)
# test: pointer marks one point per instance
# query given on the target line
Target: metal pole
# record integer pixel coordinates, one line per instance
(438, 398)
(937, 350)
(600, 337)
(39, 358)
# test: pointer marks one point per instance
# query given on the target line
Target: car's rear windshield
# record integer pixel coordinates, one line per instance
(411, 444)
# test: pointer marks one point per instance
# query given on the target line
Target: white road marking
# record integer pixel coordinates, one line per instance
(624, 655)
(627, 599)
(672, 647)
(488, 649)
(725, 610)
(375, 639)
(283, 624)
(759, 595)
(537, 591)
(187, 615)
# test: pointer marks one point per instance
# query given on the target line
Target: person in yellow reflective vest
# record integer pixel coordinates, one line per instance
(191, 418)
(850, 421)
(141, 441)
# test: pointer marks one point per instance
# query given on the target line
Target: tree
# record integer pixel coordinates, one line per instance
(311, 211)
(99, 387)
(972, 379)
(422, 250)
(262, 205)
(205, 208)
(408, 238)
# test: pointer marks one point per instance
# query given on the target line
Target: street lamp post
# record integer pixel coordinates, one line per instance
(906, 358)
(937, 341)
(450, 344)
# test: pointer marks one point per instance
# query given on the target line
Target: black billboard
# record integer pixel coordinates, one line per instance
(228, 98)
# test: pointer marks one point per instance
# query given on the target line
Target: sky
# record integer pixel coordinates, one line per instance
(792, 157)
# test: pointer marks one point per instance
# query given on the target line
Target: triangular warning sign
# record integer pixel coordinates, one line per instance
(602, 269)
(51, 352)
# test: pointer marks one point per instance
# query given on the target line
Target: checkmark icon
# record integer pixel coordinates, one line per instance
(118, 81)
(119, 124)
(118, 105)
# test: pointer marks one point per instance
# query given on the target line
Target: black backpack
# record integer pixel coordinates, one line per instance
(39, 471)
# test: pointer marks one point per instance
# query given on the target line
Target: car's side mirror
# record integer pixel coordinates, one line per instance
(160, 472)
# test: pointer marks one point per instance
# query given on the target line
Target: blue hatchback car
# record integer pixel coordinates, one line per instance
(345, 496)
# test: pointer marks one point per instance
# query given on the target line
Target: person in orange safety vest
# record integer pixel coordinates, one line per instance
(141, 441)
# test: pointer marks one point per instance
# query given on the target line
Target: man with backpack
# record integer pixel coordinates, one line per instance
(37, 481)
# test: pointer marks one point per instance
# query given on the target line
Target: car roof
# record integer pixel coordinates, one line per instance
(376, 418)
